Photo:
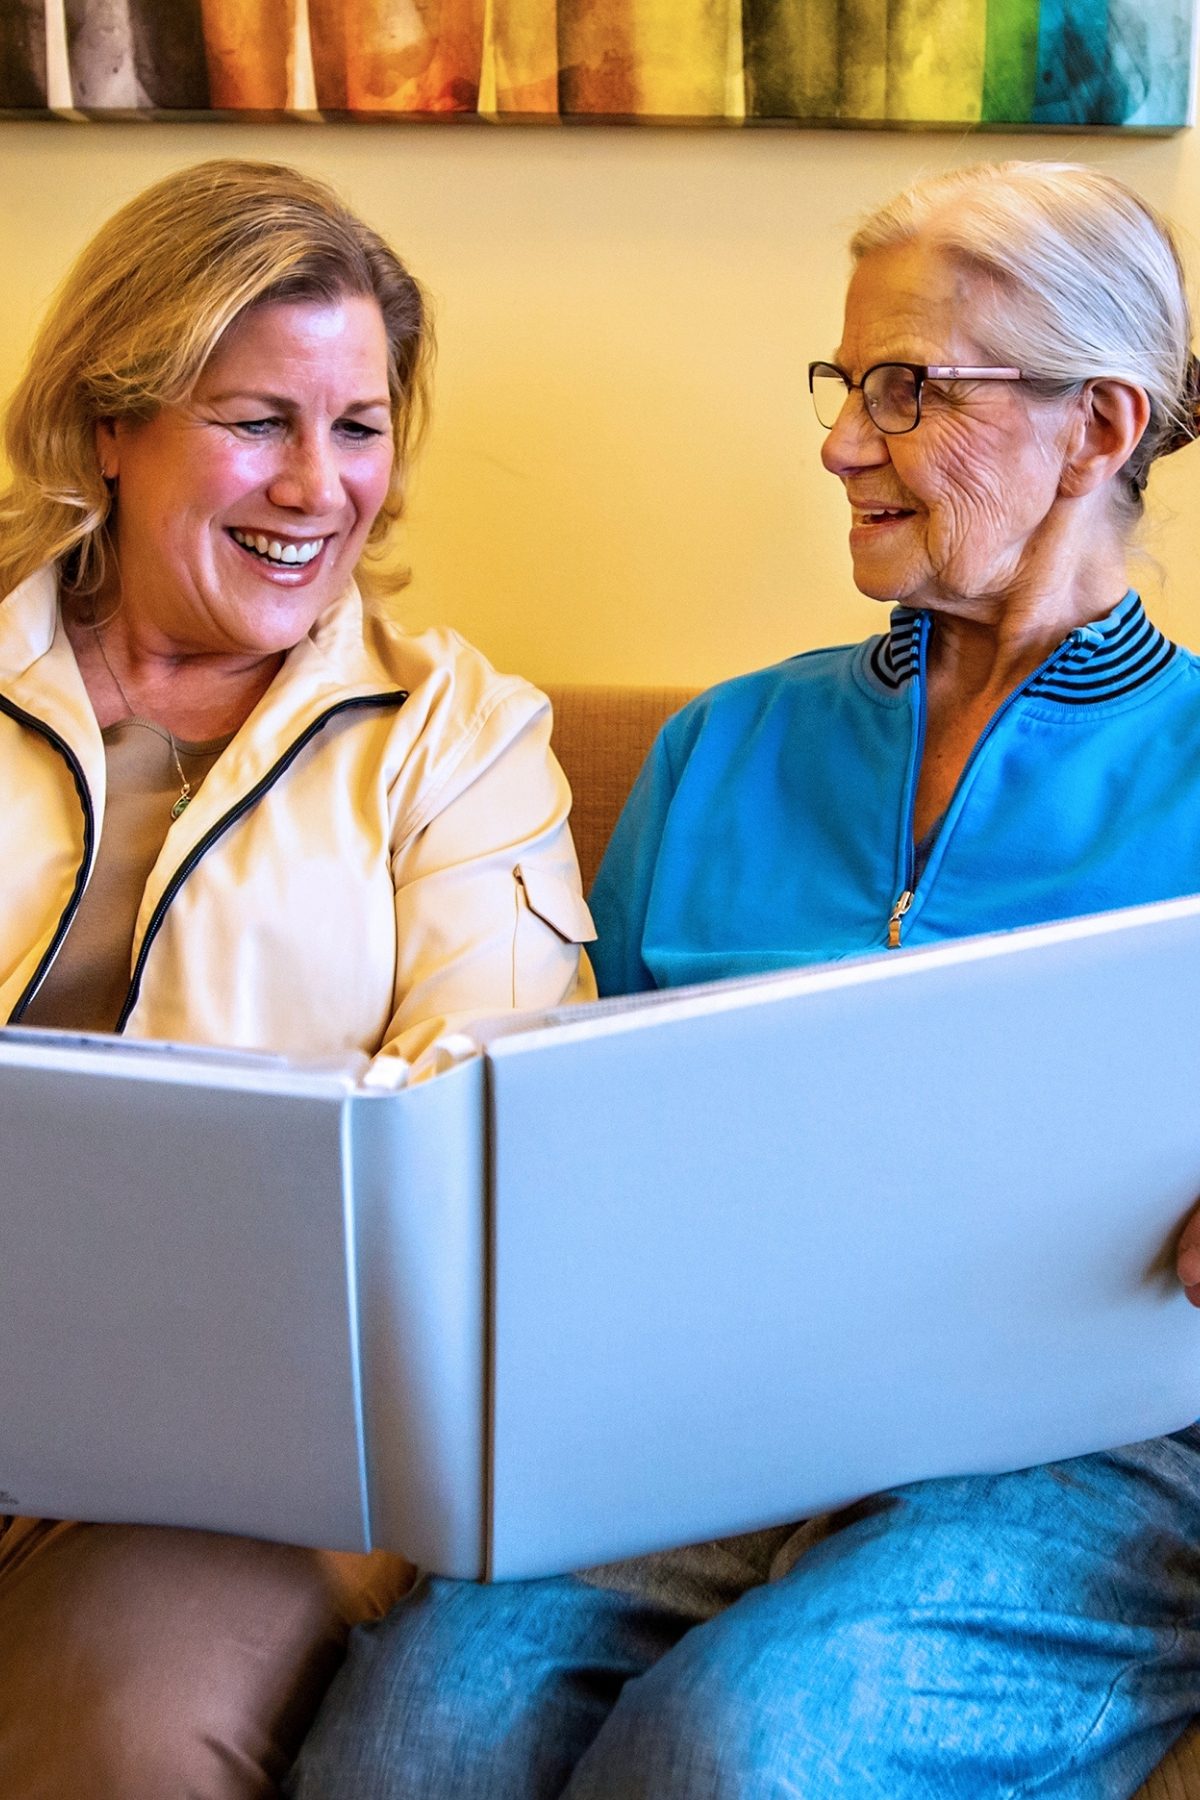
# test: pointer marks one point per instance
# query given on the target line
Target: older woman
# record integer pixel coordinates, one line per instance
(240, 807)
(1021, 744)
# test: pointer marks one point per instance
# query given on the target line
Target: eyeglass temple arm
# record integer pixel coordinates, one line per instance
(956, 372)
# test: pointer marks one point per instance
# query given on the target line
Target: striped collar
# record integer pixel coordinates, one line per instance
(896, 657)
(1105, 660)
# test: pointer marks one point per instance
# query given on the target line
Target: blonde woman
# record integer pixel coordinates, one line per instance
(242, 807)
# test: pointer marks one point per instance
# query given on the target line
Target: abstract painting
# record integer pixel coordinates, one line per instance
(1045, 64)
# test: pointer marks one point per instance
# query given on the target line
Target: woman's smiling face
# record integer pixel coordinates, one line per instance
(957, 509)
(241, 513)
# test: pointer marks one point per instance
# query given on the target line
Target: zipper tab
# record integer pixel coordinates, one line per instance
(897, 913)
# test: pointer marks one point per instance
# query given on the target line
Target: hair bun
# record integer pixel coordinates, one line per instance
(1187, 430)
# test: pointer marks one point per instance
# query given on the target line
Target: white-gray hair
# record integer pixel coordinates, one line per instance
(1084, 280)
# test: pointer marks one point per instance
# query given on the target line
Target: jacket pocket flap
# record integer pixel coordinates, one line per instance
(557, 903)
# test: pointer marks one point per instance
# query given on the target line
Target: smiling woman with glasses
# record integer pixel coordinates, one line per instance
(1017, 743)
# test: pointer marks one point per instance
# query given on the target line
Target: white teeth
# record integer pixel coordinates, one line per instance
(274, 550)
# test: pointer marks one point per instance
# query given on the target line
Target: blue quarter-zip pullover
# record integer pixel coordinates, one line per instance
(772, 823)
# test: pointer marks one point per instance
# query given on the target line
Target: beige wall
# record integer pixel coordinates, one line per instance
(622, 480)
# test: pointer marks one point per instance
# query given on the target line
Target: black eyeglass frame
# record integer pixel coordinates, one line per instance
(920, 372)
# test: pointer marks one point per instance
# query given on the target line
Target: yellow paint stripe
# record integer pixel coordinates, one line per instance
(936, 55)
(521, 48)
(646, 58)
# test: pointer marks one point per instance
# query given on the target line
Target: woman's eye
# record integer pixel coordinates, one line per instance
(357, 431)
(255, 427)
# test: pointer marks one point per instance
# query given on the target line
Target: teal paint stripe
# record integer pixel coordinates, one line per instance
(1086, 74)
(1156, 36)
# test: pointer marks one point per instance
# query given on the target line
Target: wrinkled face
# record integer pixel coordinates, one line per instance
(957, 510)
(241, 514)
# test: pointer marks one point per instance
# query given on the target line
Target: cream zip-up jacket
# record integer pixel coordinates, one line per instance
(379, 856)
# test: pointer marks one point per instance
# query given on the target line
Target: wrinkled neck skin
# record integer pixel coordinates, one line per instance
(983, 646)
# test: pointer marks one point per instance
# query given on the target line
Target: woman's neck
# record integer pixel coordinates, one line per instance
(1068, 572)
(195, 696)
(981, 663)
(981, 650)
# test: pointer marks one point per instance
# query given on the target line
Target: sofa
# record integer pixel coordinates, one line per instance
(601, 735)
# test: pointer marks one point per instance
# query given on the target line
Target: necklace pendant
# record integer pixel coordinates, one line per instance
(180, 805)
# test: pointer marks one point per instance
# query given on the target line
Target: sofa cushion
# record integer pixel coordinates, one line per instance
(601, 736)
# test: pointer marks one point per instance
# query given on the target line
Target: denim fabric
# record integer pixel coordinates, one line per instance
(1036, 1633)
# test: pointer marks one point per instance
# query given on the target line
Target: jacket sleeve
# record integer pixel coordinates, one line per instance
(490, 916)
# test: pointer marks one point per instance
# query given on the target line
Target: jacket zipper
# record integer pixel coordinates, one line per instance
(908, 894)
(89, 839)
(359, 702)
(895, 917)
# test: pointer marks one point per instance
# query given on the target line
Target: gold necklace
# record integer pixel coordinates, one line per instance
(185, 786)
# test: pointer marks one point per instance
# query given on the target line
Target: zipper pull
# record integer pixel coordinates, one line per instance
(897, 913)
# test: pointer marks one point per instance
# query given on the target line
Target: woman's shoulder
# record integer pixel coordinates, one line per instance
(445, 675)
(797, 682)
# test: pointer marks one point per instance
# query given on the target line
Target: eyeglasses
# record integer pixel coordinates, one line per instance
(891, 391)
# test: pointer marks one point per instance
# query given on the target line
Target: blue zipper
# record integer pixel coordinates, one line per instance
(906, 897)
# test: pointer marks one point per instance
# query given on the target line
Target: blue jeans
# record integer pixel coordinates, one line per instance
(1017, 1635)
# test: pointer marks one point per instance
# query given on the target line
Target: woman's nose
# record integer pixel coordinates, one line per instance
(853, 441)
(308, 479)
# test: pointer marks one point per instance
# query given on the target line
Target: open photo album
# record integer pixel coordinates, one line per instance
(633, 1274)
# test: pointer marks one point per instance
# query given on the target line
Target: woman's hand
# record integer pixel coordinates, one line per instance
(1187, 1257)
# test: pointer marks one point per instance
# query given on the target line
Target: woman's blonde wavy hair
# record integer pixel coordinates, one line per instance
(142, 311)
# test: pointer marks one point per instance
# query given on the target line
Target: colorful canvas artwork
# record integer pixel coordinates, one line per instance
(1116, 64)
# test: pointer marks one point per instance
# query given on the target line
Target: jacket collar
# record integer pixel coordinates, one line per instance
(1105, 660)
(40, 677)
(896, 657)
(1108, 659)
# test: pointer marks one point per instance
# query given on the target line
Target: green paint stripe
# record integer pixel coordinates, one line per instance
(1010, 61)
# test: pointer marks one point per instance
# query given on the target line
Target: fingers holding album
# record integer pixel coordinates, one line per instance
(1187, 1257)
